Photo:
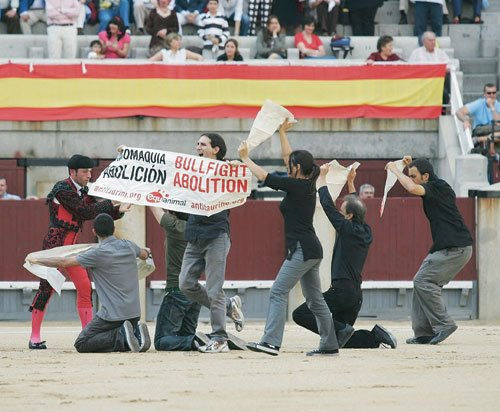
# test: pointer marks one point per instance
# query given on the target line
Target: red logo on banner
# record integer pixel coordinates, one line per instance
(155, 197)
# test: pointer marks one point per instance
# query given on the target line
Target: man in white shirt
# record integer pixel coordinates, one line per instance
(425, 9)
(3, 191)
(62, 16)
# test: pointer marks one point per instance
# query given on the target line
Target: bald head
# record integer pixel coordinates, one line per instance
(429, 41)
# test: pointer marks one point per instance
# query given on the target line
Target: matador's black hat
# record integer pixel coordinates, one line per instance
(79, 161)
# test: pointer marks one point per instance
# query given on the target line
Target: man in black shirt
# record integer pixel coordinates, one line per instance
(344, 297)
(450, 252)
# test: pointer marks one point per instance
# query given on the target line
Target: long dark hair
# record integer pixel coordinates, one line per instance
(306, 161)
(266, 34)
(121, 27)
(216, 140)
(235, 42)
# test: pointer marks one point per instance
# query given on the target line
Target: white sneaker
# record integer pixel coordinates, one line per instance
(214, 346)
(236, 314)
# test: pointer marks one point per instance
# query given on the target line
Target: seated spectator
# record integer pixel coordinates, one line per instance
(384, 51)
(175, 53)
(425, 10)
(290, 13)
(115, 41)
(189, 11)
(113, 8)
(95, 50)
(8, 14)
(327, 15)
(258, 13)
(231, 53)
(307, 42)
(429, 53)
(233, 12)
(142, 9)
(484, 111)
(477, 6)
(366, 191)
(214, 30)
(362, 13)
(271, 40)
(62, 16)
(160, 22)
(31, 11)
(3, 191)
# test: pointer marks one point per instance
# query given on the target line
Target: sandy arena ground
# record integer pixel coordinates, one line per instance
(461, 374)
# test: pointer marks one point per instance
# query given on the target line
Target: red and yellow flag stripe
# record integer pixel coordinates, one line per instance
(61, 92)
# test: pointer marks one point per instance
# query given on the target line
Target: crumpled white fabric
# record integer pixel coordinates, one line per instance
(336, 177)
(331, 5)
(56, 279)
(268, 120)
(390, 181)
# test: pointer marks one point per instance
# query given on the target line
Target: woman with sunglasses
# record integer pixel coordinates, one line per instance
(304, 249)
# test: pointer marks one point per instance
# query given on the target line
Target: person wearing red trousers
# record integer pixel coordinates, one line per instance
(69, 206)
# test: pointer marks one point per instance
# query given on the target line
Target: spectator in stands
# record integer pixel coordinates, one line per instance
(160, 22)
(484, 111)
(31, 11)
(88, 14)
(258, 12)
(384, 51)
(115, 41)
(271, 40)
(214, 30)
(62, 16)
(231, 53)
(477, 6)
(403, 10)
(95, 50)
(8, 14)
(291, 14)
(175, 53)
(189, 11)
(142, 9)
(428, 9)
(3, 191)
(366, 191)
(429, 53)
(362, 13)
(307, 42)
(113, 8)
(233, 11)
(327, 15)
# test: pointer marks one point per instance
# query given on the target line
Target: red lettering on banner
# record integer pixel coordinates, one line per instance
(178, 162)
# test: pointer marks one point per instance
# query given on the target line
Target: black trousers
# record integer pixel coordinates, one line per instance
(344, 299)
(363, 21)
(103, 336)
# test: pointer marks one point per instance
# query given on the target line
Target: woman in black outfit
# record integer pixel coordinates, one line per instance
(304, 249)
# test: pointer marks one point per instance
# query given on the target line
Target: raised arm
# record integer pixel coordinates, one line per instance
(406, 182)
(258, 171)
(350, 181)
(336, 218)
(55, 262)
(286, 150)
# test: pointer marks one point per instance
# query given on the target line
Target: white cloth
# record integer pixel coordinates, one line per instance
(390, 181)
(169, 57)
(268, 120)
(336, 177)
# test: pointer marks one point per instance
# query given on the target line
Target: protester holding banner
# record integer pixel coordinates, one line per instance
(304, 249)
(69, 206)
(344, 297)
(206, 251)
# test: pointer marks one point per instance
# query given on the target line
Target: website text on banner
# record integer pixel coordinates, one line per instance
(65, 92)
(173, 181)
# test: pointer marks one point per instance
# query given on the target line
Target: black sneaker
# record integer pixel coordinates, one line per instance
(323, 352)
(131, 340)
(263, 347)
(441, 336)
(420, 340)
(382, 335)
(446, 19)
(403, 19)
(37, 345)
(144, 339)
(343, 335)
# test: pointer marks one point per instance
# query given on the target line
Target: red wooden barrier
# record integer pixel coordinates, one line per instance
(401, 239)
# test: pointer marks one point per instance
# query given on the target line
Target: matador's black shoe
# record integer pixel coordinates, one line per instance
(37, 345)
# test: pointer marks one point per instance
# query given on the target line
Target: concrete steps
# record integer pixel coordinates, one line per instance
(479, 65)
(474, 83)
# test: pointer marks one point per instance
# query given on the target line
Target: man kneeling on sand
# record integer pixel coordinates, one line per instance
(113, 268)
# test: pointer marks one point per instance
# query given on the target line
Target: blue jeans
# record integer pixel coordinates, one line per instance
(176, 322)
(477, 6)
(244, 25)
(423, 11)
(122, 10)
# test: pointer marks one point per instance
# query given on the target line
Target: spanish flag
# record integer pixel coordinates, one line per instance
(78, 91)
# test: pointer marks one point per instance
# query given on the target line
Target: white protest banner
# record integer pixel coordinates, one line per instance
(174, 181)
(336, 177)
(390, 182)
(268, 120)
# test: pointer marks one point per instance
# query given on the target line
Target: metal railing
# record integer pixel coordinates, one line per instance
(464, 135)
